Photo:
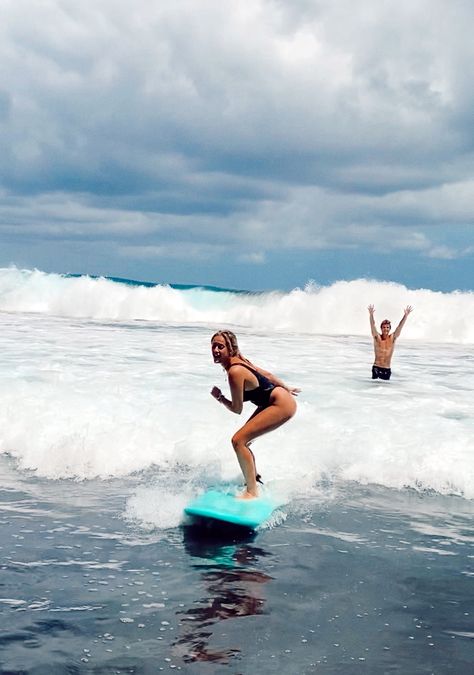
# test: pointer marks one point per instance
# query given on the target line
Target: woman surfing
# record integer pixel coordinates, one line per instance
(247, 382)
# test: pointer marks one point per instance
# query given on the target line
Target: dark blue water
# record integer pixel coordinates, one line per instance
(367, 580)
(179, 287)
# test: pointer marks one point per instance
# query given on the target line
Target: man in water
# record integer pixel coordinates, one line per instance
(384, 343)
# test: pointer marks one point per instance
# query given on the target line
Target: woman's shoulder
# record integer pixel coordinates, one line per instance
(241, 368)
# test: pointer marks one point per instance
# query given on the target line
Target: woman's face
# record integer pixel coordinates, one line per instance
(219, 350)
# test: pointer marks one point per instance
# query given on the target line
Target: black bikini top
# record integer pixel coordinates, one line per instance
(260, 396)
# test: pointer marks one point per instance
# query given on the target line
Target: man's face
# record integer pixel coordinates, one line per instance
(385, 327)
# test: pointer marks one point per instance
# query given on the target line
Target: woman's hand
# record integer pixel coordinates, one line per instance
(216, 392)
(294, 391)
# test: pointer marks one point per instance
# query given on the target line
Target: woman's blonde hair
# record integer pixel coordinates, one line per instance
(230, 341)
(232, 345)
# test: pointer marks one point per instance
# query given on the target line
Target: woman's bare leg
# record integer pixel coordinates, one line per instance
(283, 407)
(247, 467)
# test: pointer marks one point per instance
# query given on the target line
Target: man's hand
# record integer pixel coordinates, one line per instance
(408, 309)
(371, 309)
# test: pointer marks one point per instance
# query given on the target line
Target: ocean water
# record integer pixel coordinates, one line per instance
(107, 430)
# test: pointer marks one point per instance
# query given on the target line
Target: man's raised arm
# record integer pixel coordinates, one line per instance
(398, 329)
(371, 309)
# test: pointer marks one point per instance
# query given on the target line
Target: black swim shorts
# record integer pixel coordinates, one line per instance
(382, 373)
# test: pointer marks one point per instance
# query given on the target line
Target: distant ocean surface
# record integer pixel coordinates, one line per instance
(107, 430)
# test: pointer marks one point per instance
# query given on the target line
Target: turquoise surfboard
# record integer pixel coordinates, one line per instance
(228, 509)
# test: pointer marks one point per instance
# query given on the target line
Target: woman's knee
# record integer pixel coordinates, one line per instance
(238, 441)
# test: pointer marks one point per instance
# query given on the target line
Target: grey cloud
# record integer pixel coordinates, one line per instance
(250, 124)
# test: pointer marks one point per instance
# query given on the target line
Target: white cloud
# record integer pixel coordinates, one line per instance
(177, 251)
(442, 253)
(255, 258)
(245, 127)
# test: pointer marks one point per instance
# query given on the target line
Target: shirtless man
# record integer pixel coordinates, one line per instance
(384, 343)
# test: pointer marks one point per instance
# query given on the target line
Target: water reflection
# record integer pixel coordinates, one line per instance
(233, 587)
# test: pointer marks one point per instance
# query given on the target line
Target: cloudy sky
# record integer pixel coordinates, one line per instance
(242, 143)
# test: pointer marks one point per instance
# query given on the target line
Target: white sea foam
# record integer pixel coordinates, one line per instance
(155, 507)
(339, 309)
(84, 398)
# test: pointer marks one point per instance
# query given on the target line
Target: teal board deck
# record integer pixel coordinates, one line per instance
(227, 508)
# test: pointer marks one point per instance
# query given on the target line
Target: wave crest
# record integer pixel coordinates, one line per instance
(338, 309)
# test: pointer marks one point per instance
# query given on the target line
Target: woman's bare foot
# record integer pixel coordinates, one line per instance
(247, 495)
